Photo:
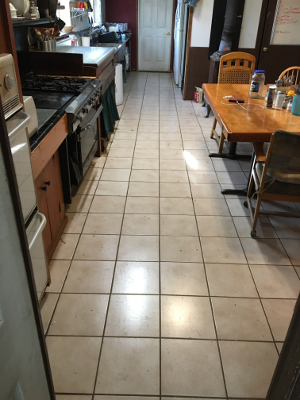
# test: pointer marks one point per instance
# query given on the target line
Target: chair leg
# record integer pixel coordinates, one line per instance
(213, 128)
(256, 213)
(221, 143)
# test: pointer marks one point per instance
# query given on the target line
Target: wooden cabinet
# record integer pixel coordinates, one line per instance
(51, 203)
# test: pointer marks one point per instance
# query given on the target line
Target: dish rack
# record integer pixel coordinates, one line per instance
(79, 19)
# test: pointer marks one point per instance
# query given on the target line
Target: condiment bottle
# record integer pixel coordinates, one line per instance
(257, 84)
(280, 98)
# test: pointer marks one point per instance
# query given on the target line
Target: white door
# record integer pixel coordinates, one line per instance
(155, 25)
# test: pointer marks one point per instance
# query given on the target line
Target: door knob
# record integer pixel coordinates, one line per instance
(168, 33)
(265, 49)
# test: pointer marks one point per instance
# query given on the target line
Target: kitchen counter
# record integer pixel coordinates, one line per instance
(92, 56)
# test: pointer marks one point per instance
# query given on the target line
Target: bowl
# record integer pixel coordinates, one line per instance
(68, 29)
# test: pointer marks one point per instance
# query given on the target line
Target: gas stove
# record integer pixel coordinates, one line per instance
(55, 84)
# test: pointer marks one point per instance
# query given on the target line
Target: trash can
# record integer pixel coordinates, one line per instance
(119, 84)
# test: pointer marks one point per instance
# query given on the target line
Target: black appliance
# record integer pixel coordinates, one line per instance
(80, 99)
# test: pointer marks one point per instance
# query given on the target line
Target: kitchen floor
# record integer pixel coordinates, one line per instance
(158, 290)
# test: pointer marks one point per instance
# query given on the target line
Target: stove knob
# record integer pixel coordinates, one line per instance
(9, 82)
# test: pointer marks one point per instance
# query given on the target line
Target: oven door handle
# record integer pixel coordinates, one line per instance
(94, 119)
(40, 228)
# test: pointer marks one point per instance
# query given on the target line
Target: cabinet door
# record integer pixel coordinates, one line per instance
(54, 194)
(41, 191)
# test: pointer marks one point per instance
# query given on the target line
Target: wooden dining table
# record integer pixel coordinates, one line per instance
(250, 121)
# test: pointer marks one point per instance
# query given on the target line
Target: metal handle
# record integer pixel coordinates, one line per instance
(48, 183)
(44, 188)
(265, 49)
(94, 119)
(168, 33)
(41, 227)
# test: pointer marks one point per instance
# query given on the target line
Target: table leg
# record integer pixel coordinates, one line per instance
(241, 192)
(231, 155)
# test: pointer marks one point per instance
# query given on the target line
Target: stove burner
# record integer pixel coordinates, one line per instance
(55, 84)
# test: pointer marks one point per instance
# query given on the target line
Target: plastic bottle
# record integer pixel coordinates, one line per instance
(72, 40)
(296, 105)
(257, 84)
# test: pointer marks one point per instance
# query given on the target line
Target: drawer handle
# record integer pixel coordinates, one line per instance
(43, 220)
(48, 183)
(44, 188)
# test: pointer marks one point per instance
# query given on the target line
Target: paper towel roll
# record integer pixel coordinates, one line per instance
(119, 84)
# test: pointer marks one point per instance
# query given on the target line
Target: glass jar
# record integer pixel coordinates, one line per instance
(257, 84)
(280, 98)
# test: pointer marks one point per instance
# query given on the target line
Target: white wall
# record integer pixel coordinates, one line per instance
(202, 23)
(202, 19)
(250, 24)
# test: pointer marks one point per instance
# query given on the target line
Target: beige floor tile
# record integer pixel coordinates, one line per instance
(89, 277)
(171, 144)
(173, 176)
(230, 280)
(182, 206)
(183, 279)
(216, 226)
(123, 143)
(72, 397)
(136, 278)
(169, 154)
(79, 315)
(240, 319)
(139, 175)
(248, 368)
(114, 174)
(107, 188)
(180, 249)
(196, 154)
(276, 281)
(129, 366)
(226, 165)
(286, 228)
(141, 224)
(292, 247)
(139, 248)
(187, 317)
(173, 165)
(146, 153)
(178, 225)
(190, 129)
(66, 247)
(147, 144)
(75, 222)
(175, 190)
(222, 250)
(93, 174)
(143, 189)
(124, 136)
(211, 207)
(170, 136)
(103, 224)
(103, 397)
(121, 152)
(133, 315)
(150, 163)
(98, 162)
(191, 368)
(237, 208)
(202, 177)
(97, 247)
(209, 191)
(142, 205)
(58, 272)
(47, 306)
(279, 314)
(80, 204)
(108, 204)
(73, 362)
(281, 206)
(118, 162)
(232, 177)
(265, 251)
(194, 165)
(264, 228)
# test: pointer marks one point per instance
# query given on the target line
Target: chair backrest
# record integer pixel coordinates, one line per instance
(283, 157)
(236, 67)
(290, 72)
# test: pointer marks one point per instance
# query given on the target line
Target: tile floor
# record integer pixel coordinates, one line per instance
(158, 290)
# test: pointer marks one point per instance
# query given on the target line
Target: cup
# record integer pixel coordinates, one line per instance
(296, 105)
(85, 41)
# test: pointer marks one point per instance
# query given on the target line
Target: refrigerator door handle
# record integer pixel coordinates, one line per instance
(41, 227)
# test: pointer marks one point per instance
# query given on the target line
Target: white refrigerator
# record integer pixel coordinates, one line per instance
(180, 31)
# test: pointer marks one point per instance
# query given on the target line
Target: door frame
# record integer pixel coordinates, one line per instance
(172, 32)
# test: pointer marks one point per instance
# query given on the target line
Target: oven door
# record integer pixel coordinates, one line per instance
(88, 138)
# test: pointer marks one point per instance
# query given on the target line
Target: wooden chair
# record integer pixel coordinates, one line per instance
(290, 72)
(236, 68)
(276, 176)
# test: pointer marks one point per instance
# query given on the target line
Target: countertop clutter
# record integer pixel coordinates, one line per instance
(93, 56)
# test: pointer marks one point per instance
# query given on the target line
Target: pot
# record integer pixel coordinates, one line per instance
(22, 6)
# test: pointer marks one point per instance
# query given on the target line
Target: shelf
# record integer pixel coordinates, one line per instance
(34, 22)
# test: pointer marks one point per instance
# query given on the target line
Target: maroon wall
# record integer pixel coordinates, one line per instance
(125, 11)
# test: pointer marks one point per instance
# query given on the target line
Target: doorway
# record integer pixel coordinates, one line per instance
(155, 35)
